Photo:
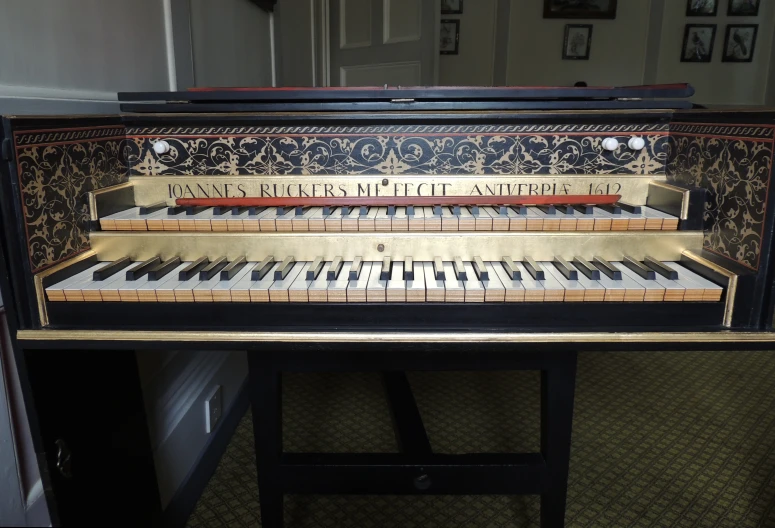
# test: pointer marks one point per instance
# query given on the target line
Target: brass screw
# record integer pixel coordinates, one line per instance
(384, 182)
(381, 247)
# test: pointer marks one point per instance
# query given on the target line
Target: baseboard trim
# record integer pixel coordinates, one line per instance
(184, 501)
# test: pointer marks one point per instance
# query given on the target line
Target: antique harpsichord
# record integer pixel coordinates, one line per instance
(431, 227)
(397, 209)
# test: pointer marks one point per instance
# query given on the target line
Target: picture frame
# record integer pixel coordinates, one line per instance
(451, 7)
(577, 42)
(701, 8)
(739, 42)
(591, 9)
(698, 42)
(449, 37)
(743, 7)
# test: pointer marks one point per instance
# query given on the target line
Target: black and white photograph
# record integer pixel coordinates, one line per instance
(451, 7)
(579, 8)
(739, 42)
(698, 42)
(743, 7)
(449, 37)
(578, 38)
(701, 7)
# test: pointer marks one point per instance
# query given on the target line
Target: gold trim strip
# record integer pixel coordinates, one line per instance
(662, 245)
(40, 294)
(396, 337)
(729, 307)
(684, 196)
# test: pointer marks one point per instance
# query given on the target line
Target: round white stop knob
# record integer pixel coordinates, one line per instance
(610, 144)
(636, 143)
(161, 147)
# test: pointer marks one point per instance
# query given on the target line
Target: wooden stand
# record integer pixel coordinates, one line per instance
(416, 469)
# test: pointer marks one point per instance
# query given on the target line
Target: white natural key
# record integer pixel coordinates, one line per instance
(161, 147)
(636, 143)
(610, 144)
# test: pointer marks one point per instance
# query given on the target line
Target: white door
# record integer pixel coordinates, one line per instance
(378, 42)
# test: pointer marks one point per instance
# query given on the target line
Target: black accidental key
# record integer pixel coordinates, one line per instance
(586, 267)
(212, 269)
(438, 269)
(639, 269)
(148, 209)
(327, 209)
(163, 269)
(503, 210)
(190, 211)
(233, 268)
(459, 269)
(364, 210)
(480, 270)
(583, 209)
(511, 269)
(474, 210)
(633, 209)
(437, 210)
(220, 211)
(533, 269)
(262, 268)
(345, 210)
(548, 209)
(280, 211)
(387, 265)
(334, 268)
(408, 269)
(355, 268)
(300, 210)
(236, 211)
(391, 210)
(666, 272)
(456, 210)
(607, 269)
(611, 208)
(568, 209)
(253, 211)
(142, 268)
(192, 269)
(409, 210)
(520, 209)
(111, 269)
(176, 210)
(314, 269)
(285, 266)
(564, 267)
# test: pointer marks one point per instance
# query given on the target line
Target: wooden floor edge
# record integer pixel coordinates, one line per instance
(396, 337)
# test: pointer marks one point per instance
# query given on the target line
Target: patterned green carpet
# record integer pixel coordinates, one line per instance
(659, 440)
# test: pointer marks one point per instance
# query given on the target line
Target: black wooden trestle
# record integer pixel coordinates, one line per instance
(416, 469)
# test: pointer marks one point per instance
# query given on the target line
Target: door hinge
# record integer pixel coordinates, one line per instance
(7, 152)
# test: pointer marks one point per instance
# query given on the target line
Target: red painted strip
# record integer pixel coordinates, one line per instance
(552, 199)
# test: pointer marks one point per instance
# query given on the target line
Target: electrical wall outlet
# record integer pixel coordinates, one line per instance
(213, 409)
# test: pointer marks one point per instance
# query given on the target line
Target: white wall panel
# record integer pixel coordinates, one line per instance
(402, 21)
(355, 24)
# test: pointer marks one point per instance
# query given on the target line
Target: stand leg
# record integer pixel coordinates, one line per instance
(558, 383)
(266, 405)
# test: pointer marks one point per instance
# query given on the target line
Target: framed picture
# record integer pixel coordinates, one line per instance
(579, 8)
(701, 7)
(698, 42)
(451, 7)
(449, 37)
(578, 38)
(743, 7)
(739, 42)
